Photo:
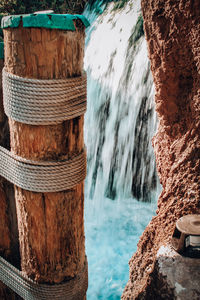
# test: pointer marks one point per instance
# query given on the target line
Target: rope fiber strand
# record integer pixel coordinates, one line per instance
(74, 289)
(43, 102)
(42, 176)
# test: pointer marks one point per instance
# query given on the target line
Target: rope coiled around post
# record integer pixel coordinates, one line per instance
(43, 102)
(74, 289)
(42, 176)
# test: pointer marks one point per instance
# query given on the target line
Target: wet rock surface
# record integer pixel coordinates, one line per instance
(172, 31)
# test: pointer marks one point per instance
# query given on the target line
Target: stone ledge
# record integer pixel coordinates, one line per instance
(180, 274)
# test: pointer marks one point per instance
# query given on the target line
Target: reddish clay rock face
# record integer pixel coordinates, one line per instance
(172, 31)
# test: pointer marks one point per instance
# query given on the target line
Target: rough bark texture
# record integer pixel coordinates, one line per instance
(9, 248)
(51, 225)
(172, 31)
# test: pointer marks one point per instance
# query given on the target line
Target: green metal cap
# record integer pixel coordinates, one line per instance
(1, 50)
(45, 20)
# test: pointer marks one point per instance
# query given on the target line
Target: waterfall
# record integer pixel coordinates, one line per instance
(119, 125)
(121, 118)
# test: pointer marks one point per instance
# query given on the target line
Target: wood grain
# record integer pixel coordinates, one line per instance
(9, 246)
(51, 225)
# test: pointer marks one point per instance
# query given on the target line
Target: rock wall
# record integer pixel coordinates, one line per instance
(176, 276)
(172, 31)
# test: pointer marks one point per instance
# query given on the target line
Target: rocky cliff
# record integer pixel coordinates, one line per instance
(172, 31)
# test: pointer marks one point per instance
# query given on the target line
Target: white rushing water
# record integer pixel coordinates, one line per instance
(119, 125)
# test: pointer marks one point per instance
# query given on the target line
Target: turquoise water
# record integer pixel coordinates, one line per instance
(112, 231)
(119, 124)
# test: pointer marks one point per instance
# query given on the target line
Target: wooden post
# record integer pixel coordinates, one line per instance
(51, 225)
(8, 222)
